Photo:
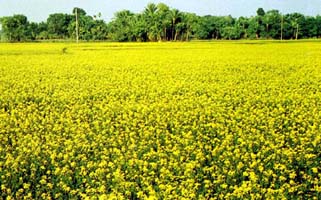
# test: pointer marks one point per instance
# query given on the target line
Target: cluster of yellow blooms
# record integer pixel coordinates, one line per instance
(207, 120)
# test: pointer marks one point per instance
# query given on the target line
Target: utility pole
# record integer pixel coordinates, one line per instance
(281, 27)
(77, 25)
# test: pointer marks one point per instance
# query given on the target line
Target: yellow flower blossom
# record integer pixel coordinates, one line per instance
(199, 120)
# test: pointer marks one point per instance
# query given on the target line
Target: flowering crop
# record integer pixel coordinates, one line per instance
(160, 121)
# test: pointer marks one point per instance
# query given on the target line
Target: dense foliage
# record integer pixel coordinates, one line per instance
(162, 23)
(160, 121)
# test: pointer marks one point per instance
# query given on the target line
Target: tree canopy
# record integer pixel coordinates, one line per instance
(159, 22)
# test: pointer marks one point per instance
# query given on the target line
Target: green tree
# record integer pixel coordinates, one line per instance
(15, 28)
(1, 32)
(272, 22)
(287, 30)
(209, 27)
(161, 23)
(258, 27)
(318, 24)
(296, 21)
(139, 28)
(150, 14)
(231, 32)
(42, 31)
(255, 28)
(88, 27)
(57, 25)
(163, 13)
(190, 20)
(79, 12)
(309, 27)
(260, 12)
(32, 31)
(99, 30)
(175, 16)
(121, 27)
(243, 24)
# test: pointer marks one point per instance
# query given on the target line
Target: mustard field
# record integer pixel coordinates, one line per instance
(199, 120)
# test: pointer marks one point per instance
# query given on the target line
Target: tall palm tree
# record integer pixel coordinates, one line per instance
(150, 9)
(164, 20)
(295, 19)
(150, 14)
(175, 17)
(190, 20)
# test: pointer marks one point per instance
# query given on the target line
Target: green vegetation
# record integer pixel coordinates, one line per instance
(197, 120)
(161, 23)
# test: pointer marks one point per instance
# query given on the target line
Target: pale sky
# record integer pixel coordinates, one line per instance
(39, 10)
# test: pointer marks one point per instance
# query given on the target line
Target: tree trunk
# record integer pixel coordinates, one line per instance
(175, 38)
(173, 28)
(297, 31)
(267, 30)
(245, 34)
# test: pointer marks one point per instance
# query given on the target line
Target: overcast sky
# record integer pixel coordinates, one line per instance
(38, 10)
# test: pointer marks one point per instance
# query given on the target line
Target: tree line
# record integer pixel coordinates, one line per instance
(159, 22)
